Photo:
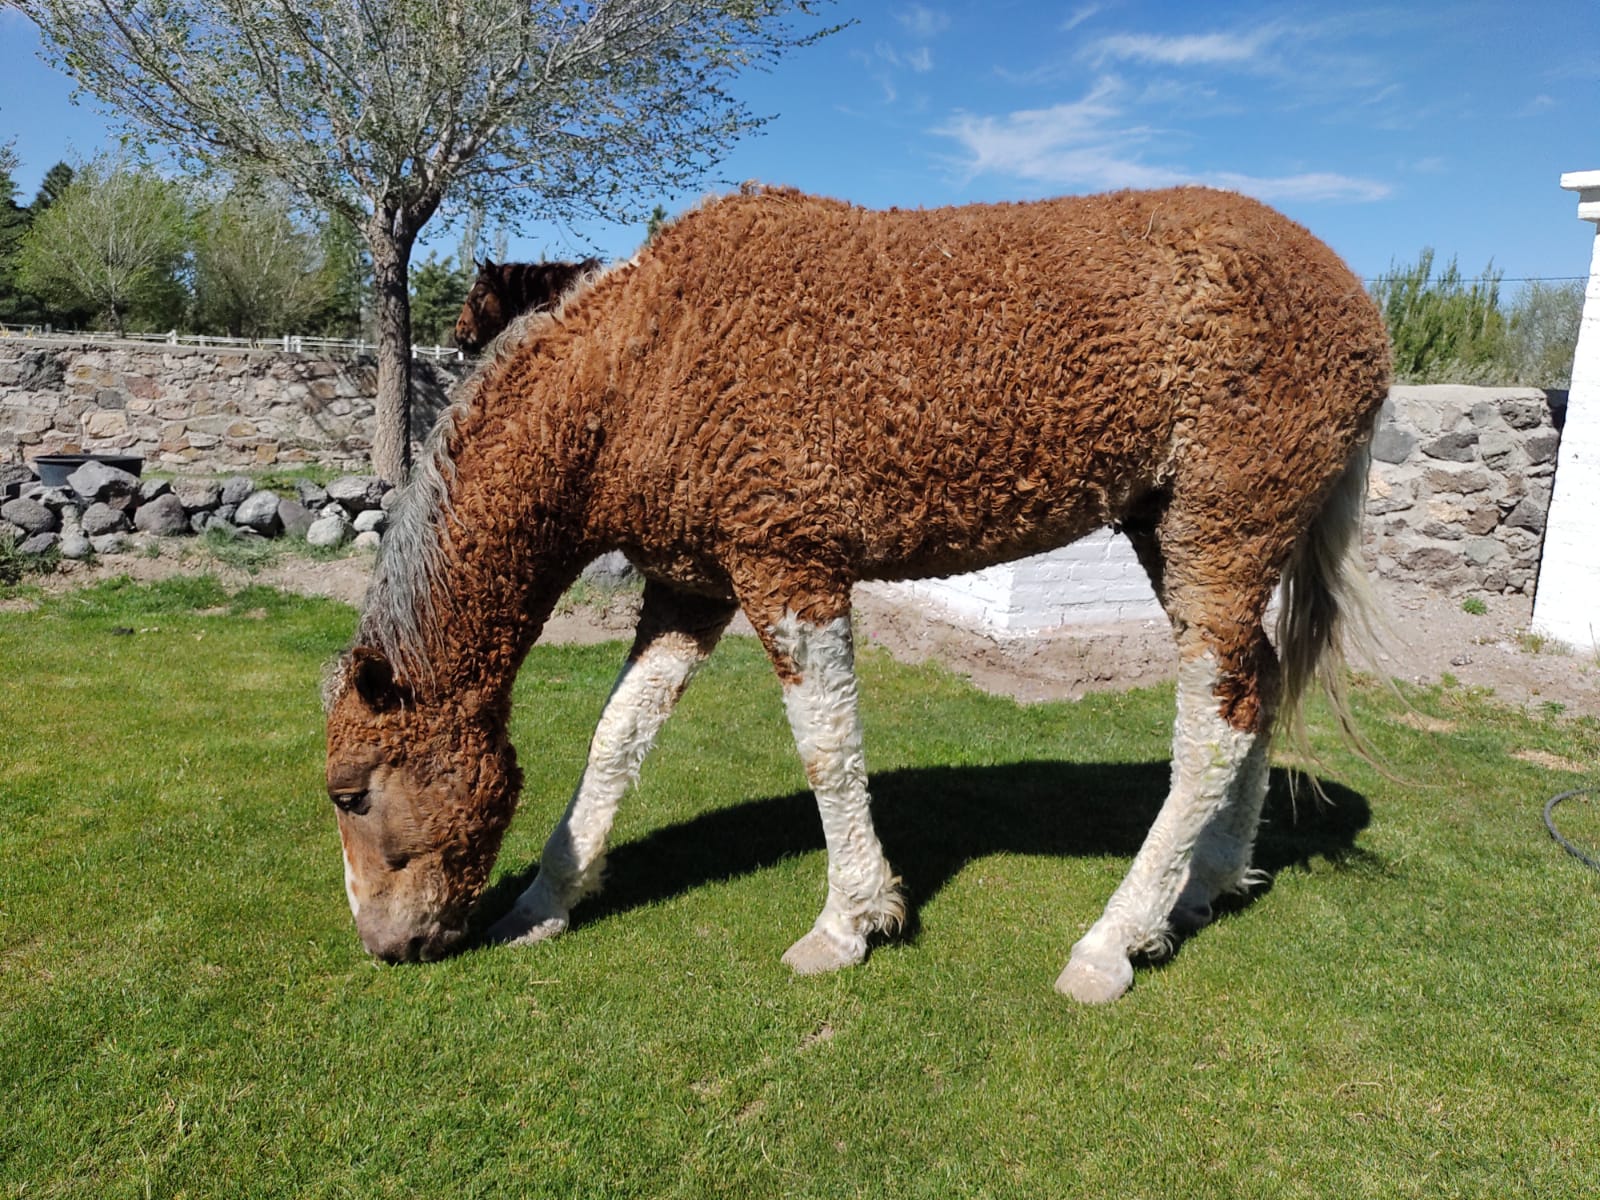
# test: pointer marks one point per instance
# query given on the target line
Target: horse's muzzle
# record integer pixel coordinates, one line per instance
(408, 945)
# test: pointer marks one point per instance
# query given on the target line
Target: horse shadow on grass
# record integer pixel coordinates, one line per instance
(934, 821)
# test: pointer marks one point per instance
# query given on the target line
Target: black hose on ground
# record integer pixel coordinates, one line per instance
(1550, 824)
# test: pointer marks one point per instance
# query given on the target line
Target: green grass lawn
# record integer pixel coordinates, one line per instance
(1411, 1009)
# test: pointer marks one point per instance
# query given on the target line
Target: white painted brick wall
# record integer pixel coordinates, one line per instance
(1566, 602)
(1096, 580)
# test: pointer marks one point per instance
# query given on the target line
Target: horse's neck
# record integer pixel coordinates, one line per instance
(528, 285)
(503, 538)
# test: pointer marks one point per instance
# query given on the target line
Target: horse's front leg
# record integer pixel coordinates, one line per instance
(816, 663)
(676, 633)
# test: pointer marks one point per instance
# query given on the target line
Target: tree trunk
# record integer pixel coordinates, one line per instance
(391, 435)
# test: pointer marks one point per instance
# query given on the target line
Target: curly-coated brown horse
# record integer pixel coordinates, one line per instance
(782, 396)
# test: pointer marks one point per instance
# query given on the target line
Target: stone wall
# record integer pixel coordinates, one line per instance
(1460, 486)
(191, 409)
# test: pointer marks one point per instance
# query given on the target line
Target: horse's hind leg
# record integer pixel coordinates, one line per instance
(676, 633)
(1201, 841)
(815, 659)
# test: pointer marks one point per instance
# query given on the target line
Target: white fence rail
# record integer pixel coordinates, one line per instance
(288, 343)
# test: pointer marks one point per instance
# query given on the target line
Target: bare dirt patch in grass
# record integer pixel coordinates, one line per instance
(1427, 724)
(1551, 762)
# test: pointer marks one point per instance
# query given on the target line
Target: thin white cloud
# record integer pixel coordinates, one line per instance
(1311, 185)
(920, 59)
(1080, 15)
(1182, 51)
(1088, 145)
(923, 22)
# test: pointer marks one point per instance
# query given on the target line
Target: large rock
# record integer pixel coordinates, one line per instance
(368, 539)
(259, 511)
(373, 520)
(1453, 447)
(1391, 444)
(100, 518)
(30, 516)
(15, 473)
(357, 493)
(295, 517)
(96, 481)
(328, 531)
(54, 499)
(610, 570)
(39, 371)
(110, 543)
(75, 546)
(237, 488)
(197, 495)
(312, 495)
(164, 516)
(150, 489)
(39, 543)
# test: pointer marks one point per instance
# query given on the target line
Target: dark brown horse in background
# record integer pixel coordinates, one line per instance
(504, 291)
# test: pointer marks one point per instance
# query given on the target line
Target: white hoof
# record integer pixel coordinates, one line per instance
(517, 931)
(535, 917)
(821, 951)
(1095, 981)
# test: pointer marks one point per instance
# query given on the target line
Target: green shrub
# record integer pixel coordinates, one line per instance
(1447, 329)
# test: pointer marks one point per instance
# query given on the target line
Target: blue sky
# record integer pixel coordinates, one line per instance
(1384, 129)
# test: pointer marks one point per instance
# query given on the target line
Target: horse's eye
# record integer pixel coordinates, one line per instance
(354, 803)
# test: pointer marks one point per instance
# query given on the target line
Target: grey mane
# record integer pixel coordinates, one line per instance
(401, 605)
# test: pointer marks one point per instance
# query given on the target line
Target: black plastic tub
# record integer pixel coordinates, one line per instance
(53, 469)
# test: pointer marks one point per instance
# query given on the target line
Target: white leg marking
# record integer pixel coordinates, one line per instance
(1207, 757)
(1222, 856)
(822, 709)
(574, 855)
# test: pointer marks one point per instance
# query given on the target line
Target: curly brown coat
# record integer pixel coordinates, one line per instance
(784, 395)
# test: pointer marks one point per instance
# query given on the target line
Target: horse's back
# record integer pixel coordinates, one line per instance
(929, 390)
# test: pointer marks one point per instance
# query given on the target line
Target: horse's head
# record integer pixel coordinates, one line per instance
(487, 309)
(423, 791)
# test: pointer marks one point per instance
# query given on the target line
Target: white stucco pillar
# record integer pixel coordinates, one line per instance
(1566, 603)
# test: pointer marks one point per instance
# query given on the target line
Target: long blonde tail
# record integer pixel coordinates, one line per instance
(1326, 604)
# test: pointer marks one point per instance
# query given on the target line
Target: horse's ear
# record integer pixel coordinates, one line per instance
(487, 265)
(373, 676)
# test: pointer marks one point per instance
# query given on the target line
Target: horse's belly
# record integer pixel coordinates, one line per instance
(954, 524)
